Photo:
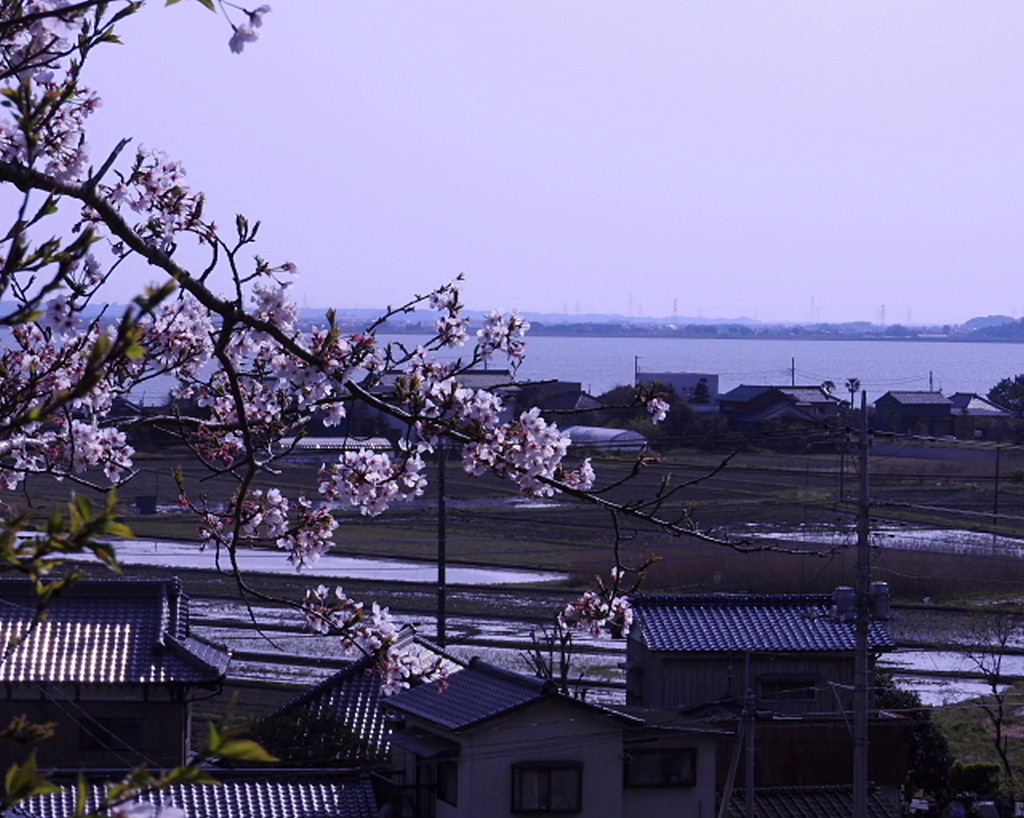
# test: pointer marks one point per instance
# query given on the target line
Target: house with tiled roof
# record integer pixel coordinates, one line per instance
(977, 418)
(239, 794)
(341, 721)
(113, 663)
(779, 665)
(918, 413)
(689, 651)
(492, 743)
(753, 407)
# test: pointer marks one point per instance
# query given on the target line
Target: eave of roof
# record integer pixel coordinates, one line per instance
(483, 692)
(917, 398)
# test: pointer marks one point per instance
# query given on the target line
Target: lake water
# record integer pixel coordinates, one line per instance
(603, 363)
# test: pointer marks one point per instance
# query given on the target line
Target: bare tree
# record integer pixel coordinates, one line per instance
(998, 632)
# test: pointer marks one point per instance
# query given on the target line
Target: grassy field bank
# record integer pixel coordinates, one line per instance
(488, 523)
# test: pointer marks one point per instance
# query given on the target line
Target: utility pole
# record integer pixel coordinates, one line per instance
(862, 670)
(442, 545)
(842, 469)
(750, 717)
(995, 491)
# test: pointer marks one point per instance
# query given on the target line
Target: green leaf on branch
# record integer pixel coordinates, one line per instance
(81, 512)
(24, 781)
(138, 779)
(108, 556)
(26, 731)
(82, 790)
(228, 745)
(135, 351)
(189, 775)
(244, 750)
(112, 526)
(45, 593)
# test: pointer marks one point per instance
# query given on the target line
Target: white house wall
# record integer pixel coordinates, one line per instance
(545, 732)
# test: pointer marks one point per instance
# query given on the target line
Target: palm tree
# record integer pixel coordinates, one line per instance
(853, 387)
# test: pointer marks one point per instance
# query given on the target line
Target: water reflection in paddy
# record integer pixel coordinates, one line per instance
(172, 554)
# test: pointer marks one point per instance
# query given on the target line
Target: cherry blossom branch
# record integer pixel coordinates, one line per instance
(232, 314)
(269, 375)
(70, 10)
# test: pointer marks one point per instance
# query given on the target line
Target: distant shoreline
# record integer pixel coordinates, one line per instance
(990, 329)
(776, 336)
(722, 333)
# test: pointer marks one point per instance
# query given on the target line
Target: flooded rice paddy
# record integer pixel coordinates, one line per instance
(284, 652)
(902, 538)
(279, 650)
(171, 554)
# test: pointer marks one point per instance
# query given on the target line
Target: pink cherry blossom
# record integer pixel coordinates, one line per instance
(241, 35)
(256, 16)
(658, 409)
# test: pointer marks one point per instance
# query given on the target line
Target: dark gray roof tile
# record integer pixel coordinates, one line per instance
(336, 797)
(104, 632)
(484, 691)
(350, 703)
(469, 696)
(919, 398)
(741, 622)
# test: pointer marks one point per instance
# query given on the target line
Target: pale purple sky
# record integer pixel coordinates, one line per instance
(782, 160)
